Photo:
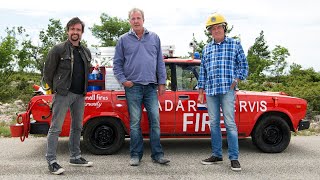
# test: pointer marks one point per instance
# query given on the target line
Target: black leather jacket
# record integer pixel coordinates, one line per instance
(59, 67)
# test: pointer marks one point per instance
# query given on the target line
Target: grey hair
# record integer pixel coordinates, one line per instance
(136, 10)
(225, 27)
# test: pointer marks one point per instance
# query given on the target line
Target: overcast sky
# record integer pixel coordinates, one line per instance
(293, 24)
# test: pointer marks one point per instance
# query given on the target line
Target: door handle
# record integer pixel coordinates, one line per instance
(184, 97)
(121, 97)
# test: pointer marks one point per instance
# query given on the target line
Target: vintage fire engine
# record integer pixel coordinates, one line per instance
(268, 117)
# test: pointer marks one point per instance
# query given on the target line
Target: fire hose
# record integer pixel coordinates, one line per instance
(24, 119)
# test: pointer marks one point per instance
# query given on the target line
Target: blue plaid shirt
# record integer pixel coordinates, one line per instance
(220, 65)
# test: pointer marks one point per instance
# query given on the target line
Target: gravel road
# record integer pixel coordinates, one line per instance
(301, 160)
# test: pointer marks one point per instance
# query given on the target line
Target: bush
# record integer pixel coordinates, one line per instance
(17, 85)
(306, 90)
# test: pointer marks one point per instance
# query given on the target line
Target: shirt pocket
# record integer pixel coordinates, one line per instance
(65, 63)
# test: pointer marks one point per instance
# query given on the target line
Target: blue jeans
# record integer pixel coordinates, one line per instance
(60, 106)
(227, 105)
(136, 96)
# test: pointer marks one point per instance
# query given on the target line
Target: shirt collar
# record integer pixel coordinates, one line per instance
(70, 44)
(131, 31)
(225, 40)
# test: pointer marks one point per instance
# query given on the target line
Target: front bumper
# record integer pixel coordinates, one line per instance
(304, 124)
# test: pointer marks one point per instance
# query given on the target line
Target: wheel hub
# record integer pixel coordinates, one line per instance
(272, 135)
(104, 136)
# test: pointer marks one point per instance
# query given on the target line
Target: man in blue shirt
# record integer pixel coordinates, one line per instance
(223, 65)
(138, 64)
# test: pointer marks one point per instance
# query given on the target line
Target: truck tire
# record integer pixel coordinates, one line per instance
(271, 134)
(103, 136)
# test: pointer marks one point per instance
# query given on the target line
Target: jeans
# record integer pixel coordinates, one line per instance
(60, 106)
(136, 96)
(227, 105)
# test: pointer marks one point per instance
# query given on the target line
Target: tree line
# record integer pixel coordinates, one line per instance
(268, 69)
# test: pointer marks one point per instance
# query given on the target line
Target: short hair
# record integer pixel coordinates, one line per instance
(136, 10)
(74, 21)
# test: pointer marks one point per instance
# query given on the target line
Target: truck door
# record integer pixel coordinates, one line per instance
(167, 113)
(165, 105)
(191, 117)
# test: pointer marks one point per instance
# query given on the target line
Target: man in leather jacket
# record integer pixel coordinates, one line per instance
(66, 72)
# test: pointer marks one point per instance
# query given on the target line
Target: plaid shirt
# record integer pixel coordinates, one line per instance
(220, 65)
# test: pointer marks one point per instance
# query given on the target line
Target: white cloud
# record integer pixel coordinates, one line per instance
(292, 24)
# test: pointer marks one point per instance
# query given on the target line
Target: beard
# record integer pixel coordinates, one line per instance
(75, 37)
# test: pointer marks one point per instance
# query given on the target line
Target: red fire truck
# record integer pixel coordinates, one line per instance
(268, 117)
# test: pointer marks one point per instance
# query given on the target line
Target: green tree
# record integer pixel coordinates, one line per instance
(25, 53)
(24, 56)
(110, 30)
(8, 50)
(53, 35)
(258, 59)
(305, 83)
(279, 63)
(295, 68)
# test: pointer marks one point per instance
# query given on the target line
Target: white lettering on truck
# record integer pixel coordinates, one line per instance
(179, 106)
(244, 106)
(168, 105)
(254, 106)
(97, 98)
(198, 119)
(188, 119)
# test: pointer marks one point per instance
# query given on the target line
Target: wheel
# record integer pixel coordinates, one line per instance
(103, 136)
(271, 134)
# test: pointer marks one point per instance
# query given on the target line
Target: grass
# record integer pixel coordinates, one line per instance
(5, 131)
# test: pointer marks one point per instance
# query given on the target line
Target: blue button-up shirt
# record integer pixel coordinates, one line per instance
(139, 60)
(220, 65)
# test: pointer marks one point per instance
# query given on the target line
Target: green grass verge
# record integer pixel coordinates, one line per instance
(5, 131)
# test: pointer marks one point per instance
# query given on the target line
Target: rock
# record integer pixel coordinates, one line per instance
(8, 111)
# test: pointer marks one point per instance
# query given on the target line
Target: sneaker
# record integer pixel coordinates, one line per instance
(55, 168)
(134, 162)
(235, 165)
(211, 160)
(80, 162)
(161, 160)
